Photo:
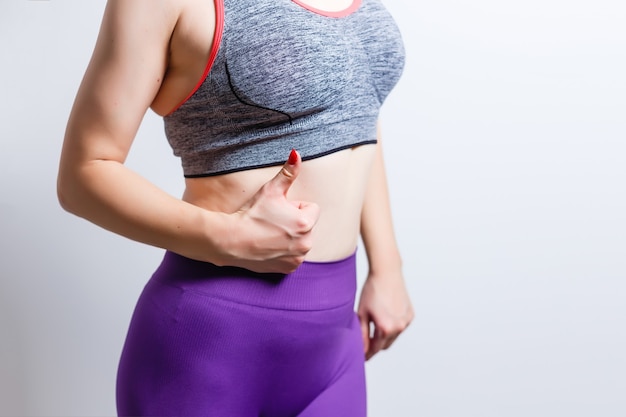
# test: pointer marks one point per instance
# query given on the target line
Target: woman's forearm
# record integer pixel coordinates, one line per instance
(384, 307)
(112, 196)
(376, 219)
(268, 234)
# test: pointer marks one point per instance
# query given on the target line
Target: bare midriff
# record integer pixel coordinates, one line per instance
(336, 182)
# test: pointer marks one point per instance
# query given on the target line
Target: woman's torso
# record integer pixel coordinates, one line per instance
(336, 182)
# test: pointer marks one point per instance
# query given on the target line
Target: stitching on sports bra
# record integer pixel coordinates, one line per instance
(232, 88)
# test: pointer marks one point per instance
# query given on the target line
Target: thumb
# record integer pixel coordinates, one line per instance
(288, 173)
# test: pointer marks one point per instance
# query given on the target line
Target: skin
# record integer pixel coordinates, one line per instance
(150, 54)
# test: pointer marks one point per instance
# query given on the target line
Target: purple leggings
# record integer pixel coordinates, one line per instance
(227, 342)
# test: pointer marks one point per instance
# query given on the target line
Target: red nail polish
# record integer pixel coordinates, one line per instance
(293, 157)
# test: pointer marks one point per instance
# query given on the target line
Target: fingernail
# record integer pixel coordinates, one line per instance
(293, 157)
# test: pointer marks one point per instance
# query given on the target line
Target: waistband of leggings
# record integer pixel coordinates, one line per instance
(313, 286)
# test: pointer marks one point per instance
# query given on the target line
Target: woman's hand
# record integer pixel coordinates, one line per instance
(272, 233)
(384, 303)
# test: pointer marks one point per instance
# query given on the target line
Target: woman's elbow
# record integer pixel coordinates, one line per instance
(64, 194)
(69, 190)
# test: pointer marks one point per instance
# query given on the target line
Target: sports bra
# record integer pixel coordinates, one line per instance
(283, 75)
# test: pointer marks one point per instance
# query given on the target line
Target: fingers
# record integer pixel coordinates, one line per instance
(389, 341)
(382, 338)
(365, 333)
(372, 343)
(310, 213)
(288, 174)
(377, 343)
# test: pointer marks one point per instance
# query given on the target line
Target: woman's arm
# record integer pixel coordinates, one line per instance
(124, 75)
(384, 299)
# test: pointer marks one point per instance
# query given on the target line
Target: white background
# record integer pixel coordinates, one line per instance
(506, 145)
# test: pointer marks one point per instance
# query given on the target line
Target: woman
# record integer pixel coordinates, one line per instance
(251, 311)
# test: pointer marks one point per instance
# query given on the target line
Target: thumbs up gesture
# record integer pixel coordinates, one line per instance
(274, 233)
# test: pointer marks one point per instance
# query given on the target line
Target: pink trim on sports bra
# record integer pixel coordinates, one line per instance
(341, 13)
(217, 40)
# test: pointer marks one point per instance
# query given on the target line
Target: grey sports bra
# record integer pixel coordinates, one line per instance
(282, 75)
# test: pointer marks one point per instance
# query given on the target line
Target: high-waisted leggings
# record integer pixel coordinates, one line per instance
(227, 342)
